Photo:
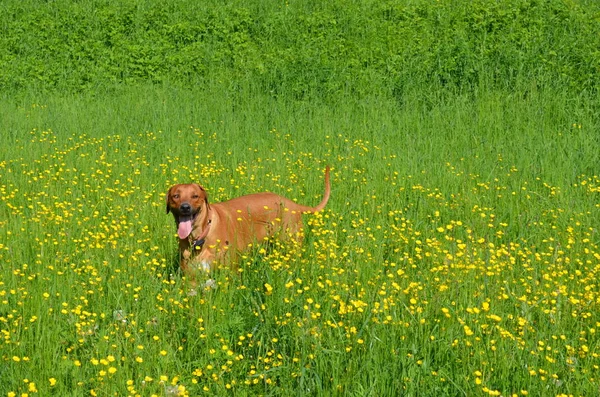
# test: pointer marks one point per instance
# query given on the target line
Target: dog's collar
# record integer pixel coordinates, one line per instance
(199, 242)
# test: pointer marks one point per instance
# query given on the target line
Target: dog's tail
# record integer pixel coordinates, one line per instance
(323, 202)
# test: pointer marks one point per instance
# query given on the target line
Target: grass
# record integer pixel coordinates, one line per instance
(300, 49)
(458, 254)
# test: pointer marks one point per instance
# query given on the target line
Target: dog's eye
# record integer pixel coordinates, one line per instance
(175, 196)
(195, 196)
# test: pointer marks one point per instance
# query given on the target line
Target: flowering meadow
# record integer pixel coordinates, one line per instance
(458, 255)
(434, 269)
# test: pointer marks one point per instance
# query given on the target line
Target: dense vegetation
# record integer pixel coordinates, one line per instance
(296, 48)
(459, 253)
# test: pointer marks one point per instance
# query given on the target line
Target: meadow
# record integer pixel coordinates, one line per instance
(459, 252)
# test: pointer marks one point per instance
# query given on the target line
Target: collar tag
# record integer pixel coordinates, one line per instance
(198, 244)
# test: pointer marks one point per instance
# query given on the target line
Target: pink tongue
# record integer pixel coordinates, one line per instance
(185, 227)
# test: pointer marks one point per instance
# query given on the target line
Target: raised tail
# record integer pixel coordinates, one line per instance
(323, 202)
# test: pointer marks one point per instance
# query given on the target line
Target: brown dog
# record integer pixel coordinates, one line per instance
(209, 231)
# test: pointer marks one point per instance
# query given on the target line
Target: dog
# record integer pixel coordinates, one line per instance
(213, 233)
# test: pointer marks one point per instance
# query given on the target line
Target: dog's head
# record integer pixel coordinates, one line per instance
(186, 201)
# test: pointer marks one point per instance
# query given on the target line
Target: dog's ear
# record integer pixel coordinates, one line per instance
(167, 200)
(205, 195)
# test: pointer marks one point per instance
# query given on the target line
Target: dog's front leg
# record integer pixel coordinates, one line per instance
(185, 255)
(193, 263)
(205, 260)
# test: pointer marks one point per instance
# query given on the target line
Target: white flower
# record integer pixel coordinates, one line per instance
(210, 284)
(120, 315)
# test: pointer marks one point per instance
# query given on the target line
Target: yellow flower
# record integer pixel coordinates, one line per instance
(52, 381)
(268, 289)
(197, 372)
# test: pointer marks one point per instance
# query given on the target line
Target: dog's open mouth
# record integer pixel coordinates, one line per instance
(185, 222)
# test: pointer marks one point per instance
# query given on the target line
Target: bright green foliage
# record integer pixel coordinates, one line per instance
(301, 48)
(459, 253)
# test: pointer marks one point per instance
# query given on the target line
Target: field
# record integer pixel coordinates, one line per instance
(459, 253)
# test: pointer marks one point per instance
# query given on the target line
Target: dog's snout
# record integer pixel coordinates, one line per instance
(185, 208)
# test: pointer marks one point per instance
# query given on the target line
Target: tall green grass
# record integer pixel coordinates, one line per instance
(458, 254)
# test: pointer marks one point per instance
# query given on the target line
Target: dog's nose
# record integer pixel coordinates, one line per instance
(185, 208)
